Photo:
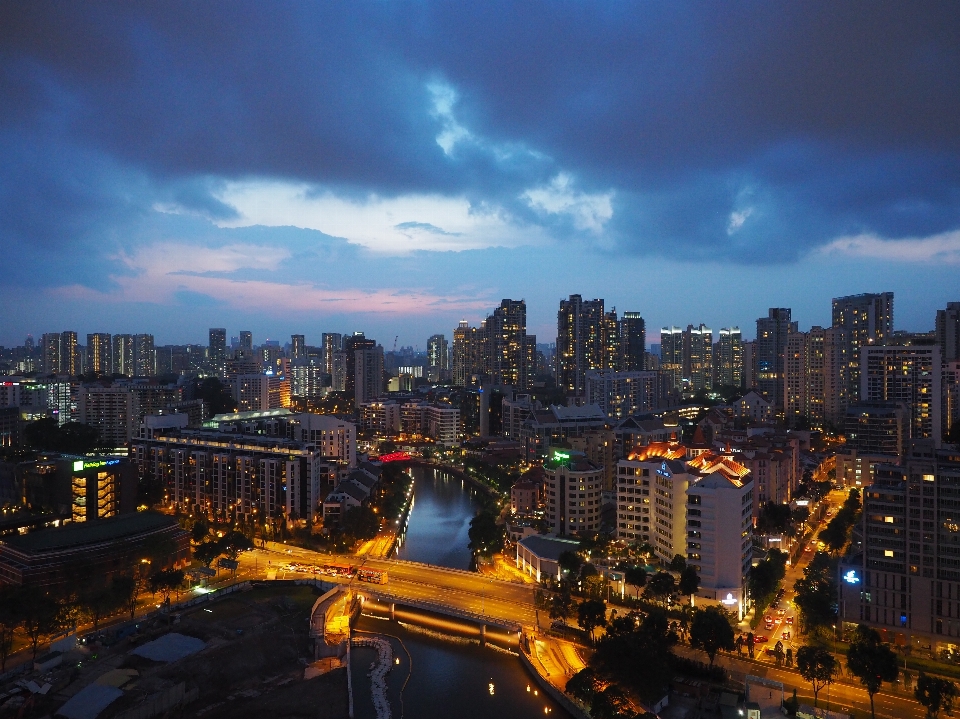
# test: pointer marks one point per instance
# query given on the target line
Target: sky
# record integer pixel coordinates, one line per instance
(393, 168)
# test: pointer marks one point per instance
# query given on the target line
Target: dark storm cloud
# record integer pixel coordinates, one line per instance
(751, 132)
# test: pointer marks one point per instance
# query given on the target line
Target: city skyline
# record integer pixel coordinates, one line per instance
(149, 188)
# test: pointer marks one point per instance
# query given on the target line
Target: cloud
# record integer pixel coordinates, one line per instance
(938, 249)
(587, 211)
(737, 219)
(383, 224)
(172, 273)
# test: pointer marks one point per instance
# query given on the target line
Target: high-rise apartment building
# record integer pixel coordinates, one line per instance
(467, 353)
(749, 378)
(109, 410)
(573, 493)
(351, 345)
(906, 581)
(698, 356)
(259, 392)
(770, 349)
(622, 394)
(580, 342)
(298, 347)
(99, 353)
(144, 356)
(911, 375)
(438, 354)
(633, 342)
(948, 331)
(611, 341)
(50, 353)
(246, 341)
(728, 358)
(868, 320)
(368, 368)
(507, 346)
(332, 342)
(123, 355)
(217, 350)
(671, 356)
(69, 354)
(815, 376)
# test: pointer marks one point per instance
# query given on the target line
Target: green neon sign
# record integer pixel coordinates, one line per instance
(79, 466)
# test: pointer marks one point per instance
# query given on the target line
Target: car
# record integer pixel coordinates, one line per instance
(768, 619)
(781, 612)
(785, 635)
(759, 639)
(770, 652)
(789, 620)
(558, 624)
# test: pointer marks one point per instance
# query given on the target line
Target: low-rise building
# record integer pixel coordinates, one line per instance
(50, 558)
(539, 555)
(526, 495)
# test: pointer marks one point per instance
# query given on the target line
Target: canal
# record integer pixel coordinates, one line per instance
(441, 675)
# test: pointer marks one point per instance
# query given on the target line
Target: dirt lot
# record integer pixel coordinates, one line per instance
(257, 646)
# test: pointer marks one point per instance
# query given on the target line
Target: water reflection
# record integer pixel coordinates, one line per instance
(437, 530)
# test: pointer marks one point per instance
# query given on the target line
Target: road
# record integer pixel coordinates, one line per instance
(465, 591)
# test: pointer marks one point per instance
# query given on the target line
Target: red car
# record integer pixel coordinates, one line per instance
(759, 639)
(789, 620)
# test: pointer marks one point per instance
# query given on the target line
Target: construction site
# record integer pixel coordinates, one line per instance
(246, 654)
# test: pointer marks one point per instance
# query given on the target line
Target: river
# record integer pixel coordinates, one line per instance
(451, 676)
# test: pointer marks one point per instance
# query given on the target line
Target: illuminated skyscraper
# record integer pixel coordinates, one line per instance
(467, 353)
(633, 342)
(332, 343)
(671, 356)
(580, 342)
(246, 341)
(505, 345)
(123, 355)
(298, 347)
(770, 347)
(698, 356)
(728, 357)
(99, 354)
(144, 356)
(217, 350)
(868, 320)
(69, 354)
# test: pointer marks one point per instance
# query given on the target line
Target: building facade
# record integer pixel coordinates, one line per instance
(573, 492)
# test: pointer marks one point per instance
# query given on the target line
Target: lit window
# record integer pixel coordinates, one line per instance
(888, 520)
(928, 478)
(887, 552)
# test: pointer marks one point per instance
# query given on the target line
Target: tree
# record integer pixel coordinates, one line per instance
(486, 536)
(611, 703)
(935, 694)
(39, 614)
(636, 577)
(817, 666)
(638, 654)
(710, 632)
(816, 593)
(583, 685)
(236, 542)
(570, 562)
(678, 563)
(8, 622)
(835, 534)
(766, 576)
(200, 530)
(775, 519)
(71, 438)
(591, 613)
(127, 588)
(165, 581)
(689, 582)
(660, 586)
(871, 661)
(207, 552)
(561, 606)
(98, 599)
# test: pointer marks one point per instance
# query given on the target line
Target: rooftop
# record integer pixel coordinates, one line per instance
(77, 534)
(547, 547)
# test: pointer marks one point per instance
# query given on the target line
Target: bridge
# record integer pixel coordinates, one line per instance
(453, 592)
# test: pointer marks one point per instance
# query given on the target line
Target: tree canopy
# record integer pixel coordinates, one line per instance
(816, 592)
(710, 632)
(71, 438)
(871, 661)
(486, 536)
(817, 666)
(935, 694)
